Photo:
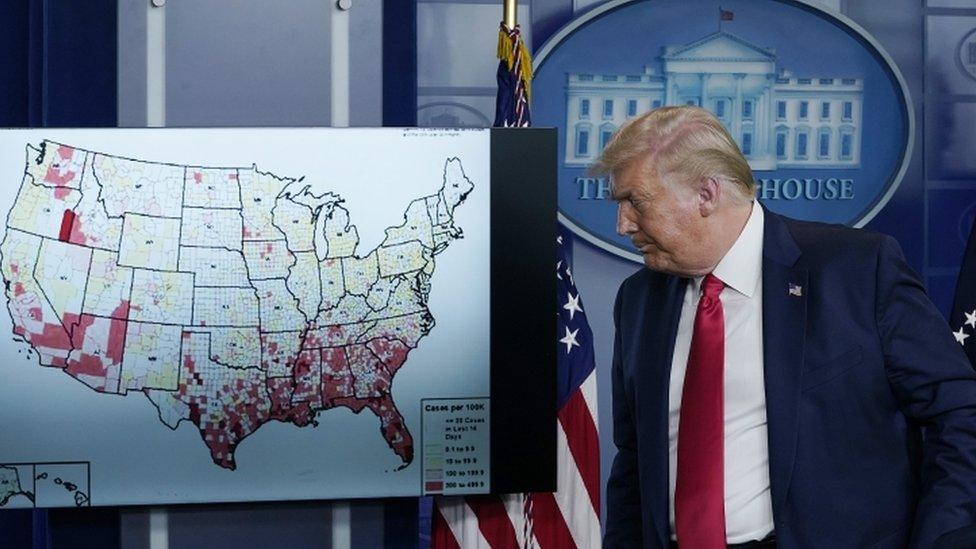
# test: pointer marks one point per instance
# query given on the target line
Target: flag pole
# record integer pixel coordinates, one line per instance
(510, 13)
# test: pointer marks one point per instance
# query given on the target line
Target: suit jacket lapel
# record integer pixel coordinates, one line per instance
(784, 322)
(657, 347)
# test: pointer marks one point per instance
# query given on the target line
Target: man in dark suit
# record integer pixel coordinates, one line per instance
(776, 383)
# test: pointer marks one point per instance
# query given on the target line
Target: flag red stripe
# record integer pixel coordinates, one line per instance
(548, 523)
(493, 521)
(582, 438)
(441, 536)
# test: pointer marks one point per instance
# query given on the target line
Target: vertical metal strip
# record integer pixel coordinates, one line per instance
(340, 67)
(158, 528)
(339, 79)
(156, 66)
(341, 525)
(156, 117)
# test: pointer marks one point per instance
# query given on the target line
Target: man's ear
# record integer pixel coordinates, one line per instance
(709, 194)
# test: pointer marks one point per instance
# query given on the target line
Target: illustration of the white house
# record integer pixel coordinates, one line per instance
(778, 120)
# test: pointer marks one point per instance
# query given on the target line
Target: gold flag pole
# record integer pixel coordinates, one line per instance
(510, 19)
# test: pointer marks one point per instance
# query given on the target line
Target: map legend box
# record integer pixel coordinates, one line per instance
(457, 446)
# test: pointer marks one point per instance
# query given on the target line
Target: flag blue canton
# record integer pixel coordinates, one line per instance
(963, 317)
(575, 347)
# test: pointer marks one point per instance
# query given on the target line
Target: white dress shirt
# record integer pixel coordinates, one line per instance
(748, 506)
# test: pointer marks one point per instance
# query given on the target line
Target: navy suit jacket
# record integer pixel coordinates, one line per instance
(857, 369)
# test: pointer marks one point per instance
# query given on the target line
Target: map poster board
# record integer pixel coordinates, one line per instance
(205, 315)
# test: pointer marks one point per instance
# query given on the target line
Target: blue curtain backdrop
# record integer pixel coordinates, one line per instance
(58, 68)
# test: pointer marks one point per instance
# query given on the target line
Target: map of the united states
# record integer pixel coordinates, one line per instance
(230, 297)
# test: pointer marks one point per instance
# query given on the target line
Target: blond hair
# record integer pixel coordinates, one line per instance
(684, 140)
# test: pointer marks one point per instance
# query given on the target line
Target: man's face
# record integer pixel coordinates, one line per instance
(663, 219)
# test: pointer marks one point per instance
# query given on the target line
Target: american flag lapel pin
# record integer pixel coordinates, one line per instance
(795, 290)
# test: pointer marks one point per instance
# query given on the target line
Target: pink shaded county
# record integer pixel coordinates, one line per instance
(47, 336)
(198, 177)
(336, 335)
(226, 404)
(392, 427)
(58, 176)
(98, 349)
(371, 377)
(356, 369)
(77, 235)
(337, 380)
(280, 391)
(307, 375)
(392, 352)
(278, 348)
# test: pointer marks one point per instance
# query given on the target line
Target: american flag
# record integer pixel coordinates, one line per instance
(570, 517)
(514, 80)
(963, 317)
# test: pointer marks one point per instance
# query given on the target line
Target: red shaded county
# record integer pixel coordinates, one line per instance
(280, 390)
(303, 365)
(392, 352)
(116, 332)
(66, 152)
(311, 341)
(88, 365)
(394, 431)
(52, 336)
(367, 368)
(18, 289)
(337, 380)
(67, 221)
(62, 192)
(307, 374)
(198, 177)
(242, 416)
(114, 346)
(235, 410)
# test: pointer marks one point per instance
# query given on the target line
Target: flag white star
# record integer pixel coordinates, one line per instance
(569, 273)
(558, 265)
(570, 339)
(572, 304)
(971, 318)
(559, 239)
(960, 336)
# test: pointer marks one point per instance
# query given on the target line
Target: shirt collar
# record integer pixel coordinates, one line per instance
(741, 267)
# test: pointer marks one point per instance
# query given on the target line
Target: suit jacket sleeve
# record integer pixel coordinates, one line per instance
(935, 386)
(623, 526)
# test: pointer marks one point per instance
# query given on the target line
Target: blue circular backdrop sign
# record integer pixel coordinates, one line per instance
(816, 106)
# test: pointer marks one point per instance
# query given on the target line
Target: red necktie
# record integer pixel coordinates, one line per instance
(699, 495)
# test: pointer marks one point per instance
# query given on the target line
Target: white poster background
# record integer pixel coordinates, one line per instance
(46, 415)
